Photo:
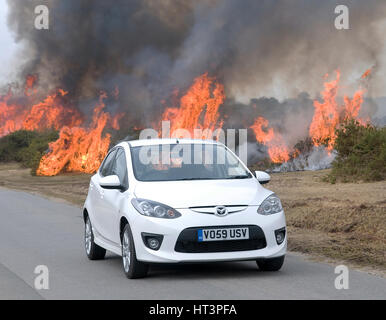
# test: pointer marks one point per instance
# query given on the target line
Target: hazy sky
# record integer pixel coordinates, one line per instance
(7, 45)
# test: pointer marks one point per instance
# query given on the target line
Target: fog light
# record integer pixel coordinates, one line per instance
(152, 241)
(280, 235)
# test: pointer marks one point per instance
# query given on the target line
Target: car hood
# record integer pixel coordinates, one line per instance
(197, 193)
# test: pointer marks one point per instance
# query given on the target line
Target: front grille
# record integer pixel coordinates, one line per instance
(187, 241)
(211, 209)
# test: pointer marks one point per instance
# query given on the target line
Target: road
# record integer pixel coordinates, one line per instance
(37, 231)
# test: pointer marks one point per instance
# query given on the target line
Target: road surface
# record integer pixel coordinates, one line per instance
(37, 231)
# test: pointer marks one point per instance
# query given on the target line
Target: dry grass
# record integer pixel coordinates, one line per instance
(70, 187)
(343, 221)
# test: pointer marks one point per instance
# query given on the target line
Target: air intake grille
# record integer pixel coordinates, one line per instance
(187, 241)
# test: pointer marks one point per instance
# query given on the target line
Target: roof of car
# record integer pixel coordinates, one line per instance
(150, 142)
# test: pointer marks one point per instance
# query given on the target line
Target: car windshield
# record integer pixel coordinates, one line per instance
(174, 162)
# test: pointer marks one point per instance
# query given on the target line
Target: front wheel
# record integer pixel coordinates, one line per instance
(132, 268)
(93, 251)
(272, 264)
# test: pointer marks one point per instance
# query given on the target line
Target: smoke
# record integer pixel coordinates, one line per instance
(94, 45)
(146, 49)
(281, 48)
(316, 159)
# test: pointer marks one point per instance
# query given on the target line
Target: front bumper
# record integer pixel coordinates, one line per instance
(172, 229)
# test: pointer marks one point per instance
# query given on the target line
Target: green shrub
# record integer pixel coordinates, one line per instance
(26, 147)
(361, 153)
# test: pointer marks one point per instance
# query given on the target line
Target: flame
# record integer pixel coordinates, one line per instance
(366, 74)
(11, 115)
(82, 146)
(198, 107)
(47, 114)
(115, 120)
(353, 106)
(30, 83)
(78, 149)
(329, 114)
(50, 113)
(277, 149)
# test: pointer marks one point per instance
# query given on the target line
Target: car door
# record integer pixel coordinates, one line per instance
(114, 199)
(98, 195)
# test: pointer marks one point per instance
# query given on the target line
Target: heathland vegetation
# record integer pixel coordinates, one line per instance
(360, 149)
(361, 153)
(26, 147)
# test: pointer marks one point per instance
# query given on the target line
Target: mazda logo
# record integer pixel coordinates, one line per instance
(220, 211)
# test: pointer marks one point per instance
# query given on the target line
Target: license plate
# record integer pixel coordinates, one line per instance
(223, 234)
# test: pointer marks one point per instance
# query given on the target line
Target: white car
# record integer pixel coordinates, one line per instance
(177, 200)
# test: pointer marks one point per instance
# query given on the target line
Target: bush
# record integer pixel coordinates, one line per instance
(26, 147)
(361, 153)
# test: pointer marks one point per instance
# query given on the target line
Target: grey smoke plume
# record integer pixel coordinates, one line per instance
(147, 48)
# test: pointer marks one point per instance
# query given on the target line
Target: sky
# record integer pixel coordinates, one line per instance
(8, 46)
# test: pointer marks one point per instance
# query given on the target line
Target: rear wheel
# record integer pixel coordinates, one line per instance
(272, 264)
(93, 251)
(132, 268)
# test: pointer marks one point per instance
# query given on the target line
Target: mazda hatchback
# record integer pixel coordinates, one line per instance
(177, 200)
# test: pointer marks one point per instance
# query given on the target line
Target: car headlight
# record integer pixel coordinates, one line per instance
(270, 205)
(154, 209)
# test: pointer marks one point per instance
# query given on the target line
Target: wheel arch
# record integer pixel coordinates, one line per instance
(122, 223)
(85, 214)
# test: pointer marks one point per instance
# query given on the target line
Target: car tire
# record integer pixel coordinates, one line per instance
(272, 264)
(93, 251)
(132, 268)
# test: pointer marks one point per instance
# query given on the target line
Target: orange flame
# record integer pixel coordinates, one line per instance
(48, 114)
(198, 107)
(329, 114)
(366, 74)
(11, 115)
(30, 84)
(78, 149)
(277, 150)
(81, 148)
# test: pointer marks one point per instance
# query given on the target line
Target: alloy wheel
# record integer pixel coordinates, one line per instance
(126, 254)
(88, 236)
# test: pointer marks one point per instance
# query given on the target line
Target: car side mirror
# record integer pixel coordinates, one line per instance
(262, 177)
(110, 182)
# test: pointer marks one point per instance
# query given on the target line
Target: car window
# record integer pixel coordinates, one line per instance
(120, 168)
(106, 168)
(186, 162)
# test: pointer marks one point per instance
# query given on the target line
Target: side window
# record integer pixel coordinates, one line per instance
(106, 168)
(120, 168)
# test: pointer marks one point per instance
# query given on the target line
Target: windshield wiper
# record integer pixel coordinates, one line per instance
(186, 179)
(198, 178)
(208, 178)
(242, 176)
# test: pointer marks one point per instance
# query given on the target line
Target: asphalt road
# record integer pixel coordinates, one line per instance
(37, 231)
